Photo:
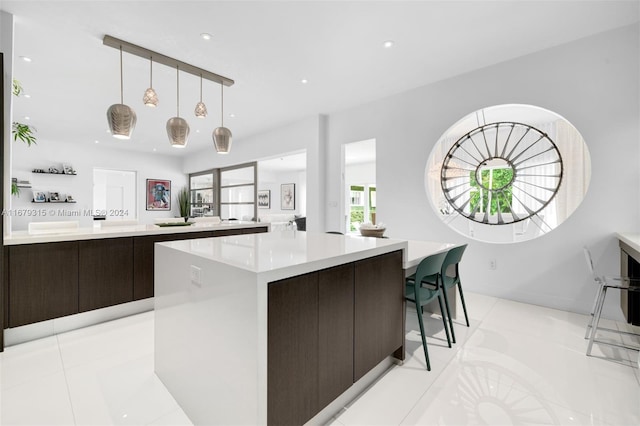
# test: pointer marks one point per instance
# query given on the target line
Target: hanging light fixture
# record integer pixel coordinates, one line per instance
(150, 97)
(121, 118)
(177, 127)
(221, 135)
(201, 108)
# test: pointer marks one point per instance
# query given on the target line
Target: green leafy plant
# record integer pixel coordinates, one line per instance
(20, 131)
(17, 87)
(24, 133)
(183, 201)
(15, 189)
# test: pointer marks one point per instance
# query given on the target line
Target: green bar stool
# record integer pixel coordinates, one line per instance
(416, 293)
(453, 258)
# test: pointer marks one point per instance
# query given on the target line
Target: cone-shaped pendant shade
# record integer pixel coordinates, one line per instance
(122, 121)
(201, 110)
(150, 98)
(178, 131)
(222, 139)
(121, 118)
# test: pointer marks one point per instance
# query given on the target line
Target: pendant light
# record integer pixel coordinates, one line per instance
(150, 97)
(177, 127)
(121, 118)
(221, 135)
(201, 108)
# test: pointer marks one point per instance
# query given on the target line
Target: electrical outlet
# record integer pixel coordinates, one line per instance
(195, 274)
(492, 264)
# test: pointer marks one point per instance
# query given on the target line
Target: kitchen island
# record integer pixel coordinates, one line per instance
(59, 279)
(271, 328)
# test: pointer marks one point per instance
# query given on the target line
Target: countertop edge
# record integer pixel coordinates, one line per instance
(22, 237)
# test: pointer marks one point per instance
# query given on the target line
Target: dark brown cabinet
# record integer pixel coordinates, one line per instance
(292, 350)
(379, 310)
(105, 273)
(43, 282)
(51, 280)
(143, 259)
(321, 328)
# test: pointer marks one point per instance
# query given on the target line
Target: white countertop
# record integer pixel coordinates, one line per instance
(23, 237)
(631, 239)
(286, 249)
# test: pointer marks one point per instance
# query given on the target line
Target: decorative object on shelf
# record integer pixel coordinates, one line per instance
(70, 199)
(54, 196)
(288, 196)
(54, 170)
(264, 199)
(68, 170)
(150, 97)
(183, 202)
(222, 137)
(158, 194)
(39, 196)
(201, 108)
(121, 118)
(177, 127)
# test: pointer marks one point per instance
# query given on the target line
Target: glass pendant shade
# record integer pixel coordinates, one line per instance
(122, 121)
(222, 139)
(150, 98)
(178, 132)
(177, 127)
(121, 118)
(221, 135)
(201, 110)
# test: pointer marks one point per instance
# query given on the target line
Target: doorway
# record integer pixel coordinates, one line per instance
(359, 184)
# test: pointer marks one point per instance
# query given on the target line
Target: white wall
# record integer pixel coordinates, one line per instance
(272, 180)
(309, 135)
(53, 153)
(6, 46)
(592, 82)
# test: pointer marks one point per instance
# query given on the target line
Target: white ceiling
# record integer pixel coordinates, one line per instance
(267, 47)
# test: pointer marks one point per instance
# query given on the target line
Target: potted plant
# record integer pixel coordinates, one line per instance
(183, 202)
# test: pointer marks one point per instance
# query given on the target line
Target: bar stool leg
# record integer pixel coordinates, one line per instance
(598, 313)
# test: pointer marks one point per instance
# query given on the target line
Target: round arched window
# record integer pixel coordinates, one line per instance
(508, 173)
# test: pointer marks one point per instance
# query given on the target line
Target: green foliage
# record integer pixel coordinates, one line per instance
(17, 87)
(15, 189)
(502, 196)
(183, 201)
(24, 133)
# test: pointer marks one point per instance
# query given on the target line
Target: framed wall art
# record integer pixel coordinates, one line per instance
(264, 199)
(158, 194)
(288, 196)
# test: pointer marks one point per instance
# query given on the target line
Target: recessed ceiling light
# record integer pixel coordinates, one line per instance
(154, 150)
(26, 117)
(206, 36)
(388, 44)
(25, 58)
(96, 141)
(232, 115)
(26, 95)
(197, 130)
(304, 81)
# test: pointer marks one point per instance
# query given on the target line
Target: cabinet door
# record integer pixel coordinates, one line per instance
(43, 282)
(335, 332)
(143, 259)
(105, 273)
(292, 350)
(379, 306)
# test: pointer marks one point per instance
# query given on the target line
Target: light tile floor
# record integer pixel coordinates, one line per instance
(517, 364)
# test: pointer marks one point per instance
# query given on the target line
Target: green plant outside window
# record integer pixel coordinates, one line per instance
(499, 198)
